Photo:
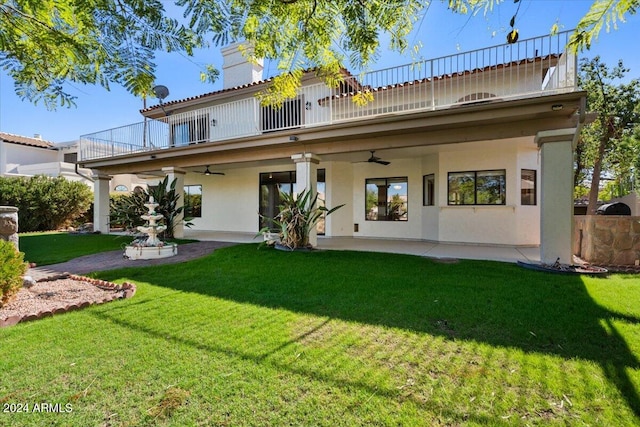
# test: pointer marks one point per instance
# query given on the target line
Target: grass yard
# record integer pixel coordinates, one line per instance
(56, 247)
(248, 337)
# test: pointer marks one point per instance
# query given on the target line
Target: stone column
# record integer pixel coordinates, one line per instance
(178, 174)
(9, 225)
(101, 209)
(307, 177)
(556, 201)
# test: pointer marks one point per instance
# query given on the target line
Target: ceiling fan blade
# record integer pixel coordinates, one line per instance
(207, 172)
(376, 159)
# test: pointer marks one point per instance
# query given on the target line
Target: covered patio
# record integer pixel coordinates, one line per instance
(424, 248)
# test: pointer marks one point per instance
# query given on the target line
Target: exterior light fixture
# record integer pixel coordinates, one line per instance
(307, 106)
(557, 107)
(214, 122)
(293, 138)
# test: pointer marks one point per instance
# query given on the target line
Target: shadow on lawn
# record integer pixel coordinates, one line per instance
(495, 303)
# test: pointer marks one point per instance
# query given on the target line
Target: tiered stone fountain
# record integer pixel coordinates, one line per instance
(151, 247)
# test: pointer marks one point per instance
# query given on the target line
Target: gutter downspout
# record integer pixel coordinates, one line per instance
(83, 175)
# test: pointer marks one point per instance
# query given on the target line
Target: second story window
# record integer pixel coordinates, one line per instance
(286, 117)
(189, 131)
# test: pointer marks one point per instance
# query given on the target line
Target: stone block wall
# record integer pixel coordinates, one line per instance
(9, 224)
(611, 240)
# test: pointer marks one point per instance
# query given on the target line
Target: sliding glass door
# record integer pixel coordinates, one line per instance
(272, 184)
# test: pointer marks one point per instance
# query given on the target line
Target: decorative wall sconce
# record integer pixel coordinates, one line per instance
(307, 106)
(214, 122)
(293, 138)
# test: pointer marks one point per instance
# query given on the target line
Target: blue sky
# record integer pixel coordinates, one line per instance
(439, 33)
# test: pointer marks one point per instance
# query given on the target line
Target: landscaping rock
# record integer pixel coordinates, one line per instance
(28, 281)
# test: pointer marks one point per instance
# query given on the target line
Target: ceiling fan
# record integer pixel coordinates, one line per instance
(375, 159)
(207, 172)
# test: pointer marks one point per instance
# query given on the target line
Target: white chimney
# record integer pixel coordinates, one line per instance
(236, 70)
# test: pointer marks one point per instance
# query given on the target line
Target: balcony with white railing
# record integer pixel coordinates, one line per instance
(529, 68)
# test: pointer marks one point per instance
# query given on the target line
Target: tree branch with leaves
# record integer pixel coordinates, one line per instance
(617, 106)
(47, 45)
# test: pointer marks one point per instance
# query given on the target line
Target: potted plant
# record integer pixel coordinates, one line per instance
(299, 214)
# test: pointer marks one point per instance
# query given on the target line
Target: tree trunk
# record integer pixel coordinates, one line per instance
(595, 179)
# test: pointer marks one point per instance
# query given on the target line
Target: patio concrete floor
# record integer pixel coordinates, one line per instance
(411, 247)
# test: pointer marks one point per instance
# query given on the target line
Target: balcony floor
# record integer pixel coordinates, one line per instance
(409, 247)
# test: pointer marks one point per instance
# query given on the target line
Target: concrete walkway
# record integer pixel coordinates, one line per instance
(410, 247)
(113, 259)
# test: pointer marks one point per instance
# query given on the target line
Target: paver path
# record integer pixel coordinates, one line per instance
(114, 259)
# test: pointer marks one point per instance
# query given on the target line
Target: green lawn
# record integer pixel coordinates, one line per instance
(55, 247)
(248, 337)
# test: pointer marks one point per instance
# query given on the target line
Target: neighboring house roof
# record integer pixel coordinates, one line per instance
(24, 140)
(219, 92)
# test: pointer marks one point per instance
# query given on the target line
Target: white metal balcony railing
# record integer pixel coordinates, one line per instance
(528, 68)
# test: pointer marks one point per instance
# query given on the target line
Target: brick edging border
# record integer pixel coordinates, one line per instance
(126, 290)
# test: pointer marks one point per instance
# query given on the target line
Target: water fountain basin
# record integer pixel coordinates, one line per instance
(135, 251)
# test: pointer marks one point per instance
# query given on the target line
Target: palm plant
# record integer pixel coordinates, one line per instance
(128, 210)
(299, 214)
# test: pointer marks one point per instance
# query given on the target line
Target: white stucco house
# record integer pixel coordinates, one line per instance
(474, 148)
(26, 156)
(29, 156)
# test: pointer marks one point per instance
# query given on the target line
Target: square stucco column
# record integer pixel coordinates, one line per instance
(307, 177)
(101, 203)
(3, 158)
(556, 205)
(177, 174)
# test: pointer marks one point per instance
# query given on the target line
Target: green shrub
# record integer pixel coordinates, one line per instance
(12, 268)
(299, 214)
(126, 210)
(45, 203)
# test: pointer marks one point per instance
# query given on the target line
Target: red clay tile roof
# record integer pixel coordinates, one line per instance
(23, 140)
(355, 86)
(205, 95)
(346, 72)
(552, 58)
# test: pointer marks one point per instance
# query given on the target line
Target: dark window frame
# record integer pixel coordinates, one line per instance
(388, 181)
(524, 194)
(188, 208)
(198, 130)
(288, 116)
(428, 190)
(475, 187)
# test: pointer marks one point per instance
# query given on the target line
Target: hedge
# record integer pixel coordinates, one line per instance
(45, 203)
